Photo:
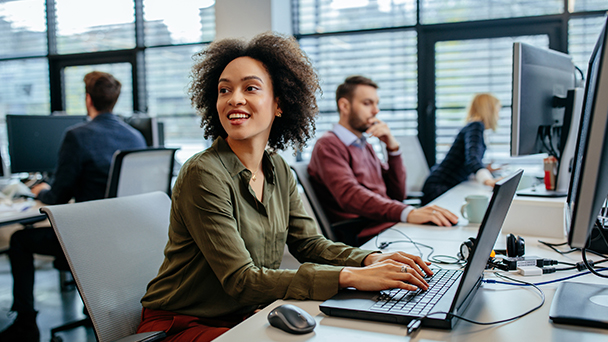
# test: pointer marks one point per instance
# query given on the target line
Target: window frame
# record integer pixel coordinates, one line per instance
(555, 26)
(549, 25)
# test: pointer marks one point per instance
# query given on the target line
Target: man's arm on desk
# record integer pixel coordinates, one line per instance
(39, 187)
(434, 214)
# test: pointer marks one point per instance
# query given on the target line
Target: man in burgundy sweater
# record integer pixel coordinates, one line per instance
(349, 179)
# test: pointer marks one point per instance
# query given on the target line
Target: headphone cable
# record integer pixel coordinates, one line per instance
(521, 283)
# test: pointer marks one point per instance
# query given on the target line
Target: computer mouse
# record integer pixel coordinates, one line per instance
(291, 319)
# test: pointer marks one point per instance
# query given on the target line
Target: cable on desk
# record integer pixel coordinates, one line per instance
(590, 266)
(493, 281)
(434, 259)
(564, 268)
(521, 283)
(581, 266)
(385, 244)
(566, 263)
(596, 253)
(585, 264)
(554, 246)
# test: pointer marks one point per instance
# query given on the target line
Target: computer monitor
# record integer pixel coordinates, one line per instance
(586, 303)
(589, 184)
(150, 128)
(34, 140)
(544, 104)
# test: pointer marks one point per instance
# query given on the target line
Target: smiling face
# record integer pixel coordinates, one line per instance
(246, 103)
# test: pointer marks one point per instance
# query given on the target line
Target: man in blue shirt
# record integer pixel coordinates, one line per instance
(82, 173)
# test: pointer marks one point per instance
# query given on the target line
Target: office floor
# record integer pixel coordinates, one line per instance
(54, 306)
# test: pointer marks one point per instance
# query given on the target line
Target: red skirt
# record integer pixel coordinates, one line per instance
(185, 328)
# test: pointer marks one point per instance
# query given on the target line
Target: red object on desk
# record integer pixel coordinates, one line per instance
(550, 166)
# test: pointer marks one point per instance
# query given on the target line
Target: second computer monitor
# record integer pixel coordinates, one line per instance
(150, 128)
(539, 77)
(34, 140)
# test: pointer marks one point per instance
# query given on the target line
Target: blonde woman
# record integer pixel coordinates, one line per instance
(465, 155)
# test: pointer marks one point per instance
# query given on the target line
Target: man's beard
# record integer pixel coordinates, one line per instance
(357, 123)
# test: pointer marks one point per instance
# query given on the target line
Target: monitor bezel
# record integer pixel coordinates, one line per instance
(587, 191)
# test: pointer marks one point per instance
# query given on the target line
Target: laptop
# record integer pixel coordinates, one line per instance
(450, 291)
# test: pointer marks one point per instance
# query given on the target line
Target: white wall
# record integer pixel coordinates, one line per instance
(246, 18)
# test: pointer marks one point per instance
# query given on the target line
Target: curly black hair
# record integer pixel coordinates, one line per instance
(294, 81)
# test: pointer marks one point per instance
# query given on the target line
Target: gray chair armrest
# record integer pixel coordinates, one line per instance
(144, 337)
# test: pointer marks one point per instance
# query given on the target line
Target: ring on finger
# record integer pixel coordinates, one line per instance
(433, 212)
(404, 269)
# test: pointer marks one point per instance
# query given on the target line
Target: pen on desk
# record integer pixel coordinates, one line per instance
(26, 208)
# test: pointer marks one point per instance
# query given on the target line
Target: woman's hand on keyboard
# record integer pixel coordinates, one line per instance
(410, 260)
(382, 275)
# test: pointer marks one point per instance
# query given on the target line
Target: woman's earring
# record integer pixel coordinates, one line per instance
(279, 113)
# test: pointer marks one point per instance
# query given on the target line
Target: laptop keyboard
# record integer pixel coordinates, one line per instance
(417, 303)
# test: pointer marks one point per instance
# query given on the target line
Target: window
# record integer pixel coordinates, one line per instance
(178, 22)
(441, 11)
(75, 88)
(583, 33)
(23, 27)
(376, 38)
(586, 5)
(174, 31)
(464, 68)
(459, 39)
(167, 78)
(91, 26)
(322, 16)
(24, 86)
(389, 58)
(104, 35)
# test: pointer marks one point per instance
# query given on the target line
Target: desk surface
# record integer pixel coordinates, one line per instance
(492, 302)
(23, 213)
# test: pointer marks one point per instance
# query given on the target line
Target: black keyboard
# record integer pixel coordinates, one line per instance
(417, 303)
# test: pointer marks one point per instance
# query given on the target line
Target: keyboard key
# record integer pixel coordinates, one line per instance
(417, 303)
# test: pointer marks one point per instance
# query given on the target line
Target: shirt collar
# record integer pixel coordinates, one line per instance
(106, 116)
(348, 137)
(233, 164)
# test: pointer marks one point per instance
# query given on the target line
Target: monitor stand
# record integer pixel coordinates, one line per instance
(541, 191)
(572, 114)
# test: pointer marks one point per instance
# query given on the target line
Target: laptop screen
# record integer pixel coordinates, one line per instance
(486, 237)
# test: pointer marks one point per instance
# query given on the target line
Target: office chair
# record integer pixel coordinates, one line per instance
(342, 231)
(132, 172)
(114, 248)
(416, 166)
(135, 172)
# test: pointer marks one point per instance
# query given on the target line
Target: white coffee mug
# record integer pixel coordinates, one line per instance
(475, 208)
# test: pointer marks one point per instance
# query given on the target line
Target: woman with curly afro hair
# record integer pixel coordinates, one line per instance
(236, 205)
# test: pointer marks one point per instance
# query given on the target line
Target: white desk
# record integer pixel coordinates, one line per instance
(492, 302)
(27, 216)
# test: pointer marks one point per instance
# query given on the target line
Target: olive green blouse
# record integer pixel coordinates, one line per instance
(225, 246)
